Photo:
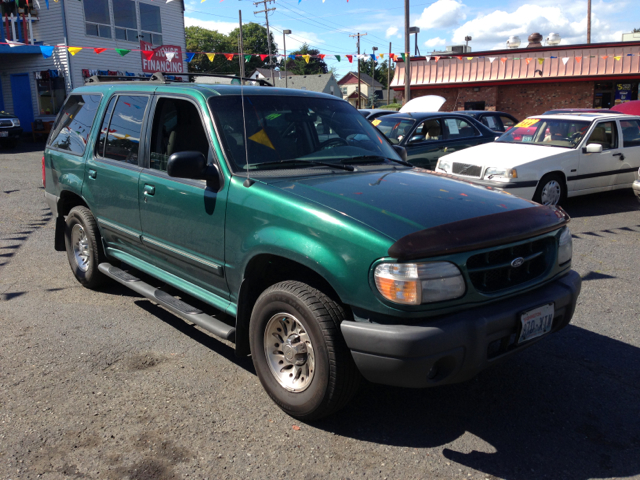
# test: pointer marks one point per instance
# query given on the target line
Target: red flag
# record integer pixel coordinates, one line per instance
(350, 58)
(459, 58)
(578, 59)
(527, 60)
(604, 57)
(436, 58)
(503, 59)
(229, 56)
(99, 50)
(147, 54)
(321, 56)
(263, 56)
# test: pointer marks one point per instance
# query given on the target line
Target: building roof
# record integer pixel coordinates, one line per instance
(364, 78)
(264, 72)
(314, 83)
(620, 60)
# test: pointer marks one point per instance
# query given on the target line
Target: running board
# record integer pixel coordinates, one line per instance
(171, 303)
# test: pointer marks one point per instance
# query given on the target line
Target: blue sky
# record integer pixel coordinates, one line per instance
(327, 25)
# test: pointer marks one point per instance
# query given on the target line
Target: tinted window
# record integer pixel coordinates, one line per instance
(123, 139)
(72, 127)
(507, 122)
(124, 14)
(102, 135)
(393, 128)
(458, 128)
(150, 18)
(605, 134)
(96, 11)
(630, 133)
(176, 128)
(491, 122)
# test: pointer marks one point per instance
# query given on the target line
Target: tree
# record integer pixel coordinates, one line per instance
(636, 30)
(380, 70)
(299, 66)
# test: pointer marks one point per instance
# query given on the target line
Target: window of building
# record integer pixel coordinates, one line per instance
(97, 20)
(51, 94)
(72, 127)
(123, 134)
(150, 24)
(126, 20)
(344, 90)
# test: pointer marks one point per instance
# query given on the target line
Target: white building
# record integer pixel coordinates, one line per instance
(32, 86)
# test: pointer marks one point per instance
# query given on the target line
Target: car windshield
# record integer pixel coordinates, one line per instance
(281, 130)
(394, 129)
(548, 132)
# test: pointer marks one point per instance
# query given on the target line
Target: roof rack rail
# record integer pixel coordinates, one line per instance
(162, 77)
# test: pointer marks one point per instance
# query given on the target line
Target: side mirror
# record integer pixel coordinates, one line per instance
(416, 138)
(401, 151)
(193, 165)
(592, 148)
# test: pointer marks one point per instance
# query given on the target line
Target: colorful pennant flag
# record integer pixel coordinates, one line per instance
(228, 56)
(292, 57)
(469, 58)
(427, 58)
(211, 56)
(337, 57)
(170, 55)
(617, 58)
(350, 58)
(147, 54)
(540, 61)
(47, 2)
(189, 56)
(74, 50)
(263, 57)
(528, 60)
(492, 59)
(459, 58)
(604, 57)
(503, 59)
(46, 51)
(122, 51)
(565, 60)
(578, 59)
(99, 50)
(247, 58)
(306, 58)
(373, 57)
(436, 58)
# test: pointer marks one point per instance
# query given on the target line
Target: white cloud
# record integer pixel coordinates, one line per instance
(442, 14)
(433, 42)
(391, 31)
(222, 27)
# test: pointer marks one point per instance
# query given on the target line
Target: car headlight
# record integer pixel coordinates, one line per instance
(444, 165)
(500, 172)
(16, 122)
(418, 283)
(565, 246)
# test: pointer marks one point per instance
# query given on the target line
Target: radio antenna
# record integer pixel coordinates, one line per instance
(247, 182)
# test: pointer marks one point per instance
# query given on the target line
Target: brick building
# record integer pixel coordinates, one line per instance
(528, 81)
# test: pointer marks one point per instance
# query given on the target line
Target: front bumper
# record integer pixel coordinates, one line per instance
(523, 188)
(13, 133)
(456, 347)
(636, 189)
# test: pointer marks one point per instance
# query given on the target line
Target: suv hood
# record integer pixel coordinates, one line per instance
(498, 154)
(400, 202)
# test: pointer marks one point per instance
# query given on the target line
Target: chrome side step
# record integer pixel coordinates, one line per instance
(171, 303)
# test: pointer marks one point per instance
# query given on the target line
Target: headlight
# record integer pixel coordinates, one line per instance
(16, 122)
(417, 283)
(565, 246)
(444, 165)
(500, 172)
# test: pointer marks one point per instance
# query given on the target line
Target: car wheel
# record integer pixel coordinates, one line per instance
(299, 353)
(84, 250)
(551, 190)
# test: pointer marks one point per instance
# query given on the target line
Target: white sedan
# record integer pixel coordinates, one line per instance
(550, 157)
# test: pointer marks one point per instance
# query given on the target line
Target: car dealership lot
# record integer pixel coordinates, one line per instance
(107, 385)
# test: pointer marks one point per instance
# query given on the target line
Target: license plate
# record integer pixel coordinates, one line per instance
(536, 322)
(4, 134)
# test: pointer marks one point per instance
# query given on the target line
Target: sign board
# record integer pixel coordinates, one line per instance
(623, 93)
(159, 61)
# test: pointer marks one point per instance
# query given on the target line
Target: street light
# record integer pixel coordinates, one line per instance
(284, 41)
(373, 74)
(416, 31)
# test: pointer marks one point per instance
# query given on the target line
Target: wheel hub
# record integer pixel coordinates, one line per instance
(81, 250)
(294, 351)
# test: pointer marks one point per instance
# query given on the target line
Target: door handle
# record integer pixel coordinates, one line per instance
(92, 173)
(149, 190)
(619, 155)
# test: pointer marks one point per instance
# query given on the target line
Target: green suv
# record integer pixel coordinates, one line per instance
(319, 251)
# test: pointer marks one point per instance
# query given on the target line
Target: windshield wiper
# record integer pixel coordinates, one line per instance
(377, 157)
(349, 168)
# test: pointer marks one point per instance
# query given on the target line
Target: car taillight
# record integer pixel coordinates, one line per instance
(44, 177)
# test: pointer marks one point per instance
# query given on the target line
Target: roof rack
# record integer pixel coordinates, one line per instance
(161, 77)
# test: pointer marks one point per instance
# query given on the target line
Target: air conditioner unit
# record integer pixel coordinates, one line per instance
(458, 48)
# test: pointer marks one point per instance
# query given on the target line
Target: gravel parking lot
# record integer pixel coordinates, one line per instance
(108, 385)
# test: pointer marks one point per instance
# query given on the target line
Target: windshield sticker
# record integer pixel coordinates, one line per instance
(453, 126)
(376, 122)
(262, 138)
(273, 116)
(527, 122)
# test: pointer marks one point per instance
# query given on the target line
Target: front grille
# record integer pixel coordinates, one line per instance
(492, 271)
(466, 169)
(6, 123)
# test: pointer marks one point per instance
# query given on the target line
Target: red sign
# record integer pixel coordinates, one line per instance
(166, 58)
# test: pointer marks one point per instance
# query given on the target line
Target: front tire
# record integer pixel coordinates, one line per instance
(84, 250)
(299, 353)
(551, 190)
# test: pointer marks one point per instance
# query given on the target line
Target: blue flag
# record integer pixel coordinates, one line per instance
(190, 56)
(47, 2)
(46, 51)
(373, 57)
(292, 57)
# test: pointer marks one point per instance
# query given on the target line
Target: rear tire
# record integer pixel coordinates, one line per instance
(299, 353)
(84, 249)
(551, 190)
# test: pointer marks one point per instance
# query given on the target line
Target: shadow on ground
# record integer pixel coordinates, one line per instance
(605, 203)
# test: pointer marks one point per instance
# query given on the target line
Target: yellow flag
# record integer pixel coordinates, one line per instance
(306, 59)
(74, 50)
(382, 55)
(262, 138)
(541, 61)
(469, 58)
(211, 56)
(617, 58)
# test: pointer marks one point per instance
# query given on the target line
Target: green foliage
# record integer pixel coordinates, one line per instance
(300, 67)
(203, 40)
(381, 68)
(636, 30)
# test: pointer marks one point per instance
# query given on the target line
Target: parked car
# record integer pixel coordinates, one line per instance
(373, 113)
(576, 110)
(631, 107)
(549, 157)
(10, 130)
(636, 187)
(497, 121)
(428, 136)
(326, 260)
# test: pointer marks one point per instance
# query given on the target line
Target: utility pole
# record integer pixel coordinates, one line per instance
(588, 21)
(373, 75)
(358, 35)
(284, 41)
(266, 16)
(407, 54)
(389, 76)
(240, 46)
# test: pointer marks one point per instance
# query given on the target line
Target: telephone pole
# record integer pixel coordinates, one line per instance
(266, 16)
(588, 21)
(358, 35)
(407, 54)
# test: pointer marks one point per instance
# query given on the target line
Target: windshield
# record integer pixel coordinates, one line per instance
(393, 128)
(546, 131)
(281, 130)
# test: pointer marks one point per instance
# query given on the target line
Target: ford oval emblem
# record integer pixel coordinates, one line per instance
(517, 262)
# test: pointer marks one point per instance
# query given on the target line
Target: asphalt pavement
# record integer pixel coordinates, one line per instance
(108, 385)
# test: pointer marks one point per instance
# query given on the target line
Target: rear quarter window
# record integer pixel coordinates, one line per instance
(73, 125)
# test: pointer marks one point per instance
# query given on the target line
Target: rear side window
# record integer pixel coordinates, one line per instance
(630, 133)
(491, 122)
(123, 133)
(507, 122)
(459, 128)
(73, 125)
